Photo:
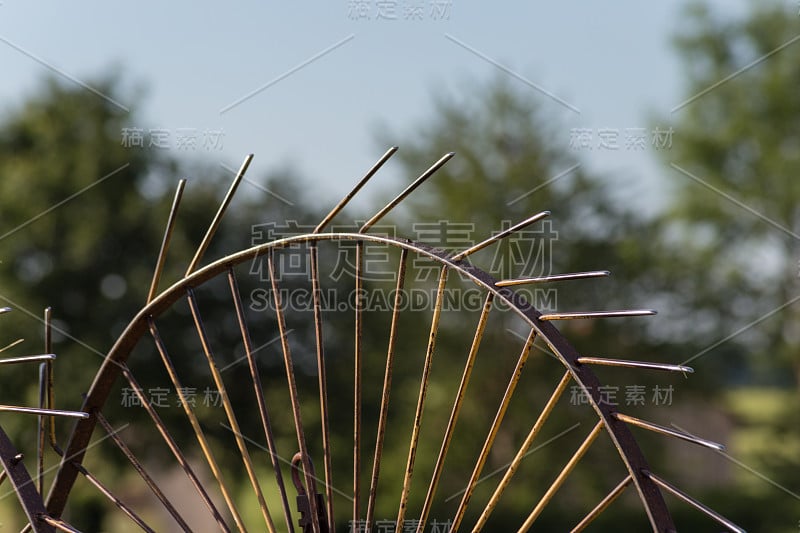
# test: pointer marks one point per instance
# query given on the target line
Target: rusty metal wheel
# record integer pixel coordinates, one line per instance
(275, 420)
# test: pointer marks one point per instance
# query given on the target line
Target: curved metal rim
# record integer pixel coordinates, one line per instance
(632, 456)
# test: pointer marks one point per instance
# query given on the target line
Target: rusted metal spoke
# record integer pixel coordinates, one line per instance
(597, 314)
(487, 445)
(667, 431)
(173, 447)
(423, 390)
(229, 412)
(323, 381)
(344, 201)
(517, 461)
(57, 523)
(37, 411)
(451, 423)
(634, 364)
(51, 394)
(357, 354)
(113, 498)
(27, 359)
(259, 392)
(604, 503)
(293, 396)
(554, 277)
(195, 423)
(212, 229)
(162, 253)
(387, 385)
(408, 190)
(675, 491)
(584, 447)
(137, 465)
(500, 236)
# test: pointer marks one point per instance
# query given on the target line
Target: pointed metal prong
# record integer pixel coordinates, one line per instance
(597, 314)
(4, 310)
(675, 491)
(344, 201)
(48, 412)
(408, 190)
(28, 359)
(634, 364)
(218, 217)
(554, 277)
(500, 236)
(11, 345)
(162, 254)
(667, 431)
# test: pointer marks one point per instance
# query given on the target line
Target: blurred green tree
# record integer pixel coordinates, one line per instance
(731, 238)
(735, 213)
(82, 214)
(512, 161)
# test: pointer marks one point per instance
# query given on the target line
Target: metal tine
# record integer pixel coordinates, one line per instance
(218, 217)
(57, 523)
(198, 430)
(11, 345)
(3, 476)
(293, 396)
(554, 277)
(693, 502)
(229, 412)
(597, 314)
(173, 446)
(344, 201)
(323, 383)
(114, 499)
(51, 389)
(357, 363)
(28, 359)
(634, 364)
(462, 389)
(41, 429)
(387, 385)
(423, 391)
(44, 369)
(502, 235)
(514, 466)
(259, 392)
(400, 197)
(115, 438)
(498, 418)
(562, 476)
(47, 412)
(667, 431)
(604, 503)
(162, 253)
(4, 310)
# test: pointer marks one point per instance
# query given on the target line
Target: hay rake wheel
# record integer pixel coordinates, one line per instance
(316, 494)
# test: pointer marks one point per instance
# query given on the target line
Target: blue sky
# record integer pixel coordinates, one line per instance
(323, 76)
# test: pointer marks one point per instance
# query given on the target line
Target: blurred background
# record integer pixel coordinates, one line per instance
(664, 138)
